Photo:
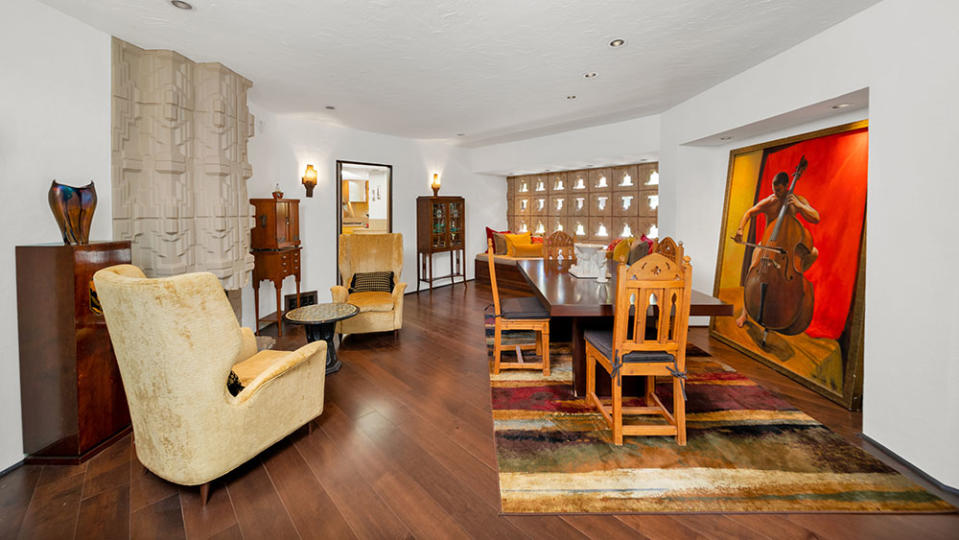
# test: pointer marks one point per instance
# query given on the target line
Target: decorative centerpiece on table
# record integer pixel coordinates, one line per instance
(591, 262)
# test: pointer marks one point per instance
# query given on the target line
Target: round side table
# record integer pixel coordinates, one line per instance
(320, 322)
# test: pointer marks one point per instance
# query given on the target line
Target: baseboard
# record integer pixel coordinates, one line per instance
(11, 468)
(899, 459)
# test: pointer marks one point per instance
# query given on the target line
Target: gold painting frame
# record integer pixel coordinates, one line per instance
(849, 345)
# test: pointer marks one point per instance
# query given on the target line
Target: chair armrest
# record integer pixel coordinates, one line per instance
(398, 291)
(247, 344)
(315, 351)
(339, 293)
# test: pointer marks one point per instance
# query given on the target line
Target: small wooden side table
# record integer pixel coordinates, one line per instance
(320, 321)
(275, 266)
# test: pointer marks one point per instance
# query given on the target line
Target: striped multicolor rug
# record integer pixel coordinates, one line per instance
(748, 451)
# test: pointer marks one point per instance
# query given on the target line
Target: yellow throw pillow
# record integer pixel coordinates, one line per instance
(621, 251)
(513, 239)
(528, 250)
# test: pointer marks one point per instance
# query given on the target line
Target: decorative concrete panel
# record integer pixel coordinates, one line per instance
(180, 166)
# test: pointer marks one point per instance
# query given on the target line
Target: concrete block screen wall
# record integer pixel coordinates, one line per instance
(592, 205)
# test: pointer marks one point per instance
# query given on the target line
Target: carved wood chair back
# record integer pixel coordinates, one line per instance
(654, 280)
(559, 245)
(669, 248)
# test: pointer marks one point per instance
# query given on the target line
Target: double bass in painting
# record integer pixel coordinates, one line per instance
(775, 293)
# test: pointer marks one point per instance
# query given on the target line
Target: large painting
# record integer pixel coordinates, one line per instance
(792, 257)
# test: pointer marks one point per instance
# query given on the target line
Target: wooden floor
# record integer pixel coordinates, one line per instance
(404, 448)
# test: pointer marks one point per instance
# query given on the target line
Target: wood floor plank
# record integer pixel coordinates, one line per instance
(313, 512)
(146, 487)
(105, 515)
(720, 526)
(207, 521)
(421, 513)
(109, 469)
(544, 527)
(785, 529)
(476, 515)
(662, 527)
(259, 509)
(55, 504)
(161, 520)
(334, 467)
(16, 490)
(602, 527)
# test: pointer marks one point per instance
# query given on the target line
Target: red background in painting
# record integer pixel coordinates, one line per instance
(834, 184)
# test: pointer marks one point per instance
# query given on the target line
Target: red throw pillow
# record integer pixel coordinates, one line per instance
(612, 245)
(491, 232)
(648, 242)
(536, 239)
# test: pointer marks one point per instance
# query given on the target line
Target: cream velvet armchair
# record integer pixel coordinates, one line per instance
(379, 311)
(176, 340)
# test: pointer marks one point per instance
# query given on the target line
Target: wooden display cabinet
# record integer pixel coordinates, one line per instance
(71, 394)
(440, 228)
(275, 245)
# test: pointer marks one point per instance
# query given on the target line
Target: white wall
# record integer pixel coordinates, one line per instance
(621, 142)
(54, 123)
(903, 51)
(378, 208)
(284, 144)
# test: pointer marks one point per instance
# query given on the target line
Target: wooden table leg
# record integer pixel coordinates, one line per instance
(579, 357)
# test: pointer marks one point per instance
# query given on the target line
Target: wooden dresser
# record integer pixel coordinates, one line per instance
(440, 228)
(275, 244)
(71, 394)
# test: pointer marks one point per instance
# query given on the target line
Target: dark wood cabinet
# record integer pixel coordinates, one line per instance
(275, 244)
(440, 228)
(277, 224)
(71, 394)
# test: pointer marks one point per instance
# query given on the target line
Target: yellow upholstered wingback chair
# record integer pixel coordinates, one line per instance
(361, 253)
(176, 340)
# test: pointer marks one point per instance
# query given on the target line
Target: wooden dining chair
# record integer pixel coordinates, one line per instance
(670, 249)
(629, 349)
(523, 313)
(559, 244)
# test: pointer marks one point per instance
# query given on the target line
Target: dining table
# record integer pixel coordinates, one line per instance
(588, 303)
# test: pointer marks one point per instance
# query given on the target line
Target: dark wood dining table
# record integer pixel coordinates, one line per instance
(588, 303)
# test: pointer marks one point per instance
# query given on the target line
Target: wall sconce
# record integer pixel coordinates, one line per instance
(309, 180)
(436, 185)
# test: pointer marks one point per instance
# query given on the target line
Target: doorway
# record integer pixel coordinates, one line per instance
(364, 193)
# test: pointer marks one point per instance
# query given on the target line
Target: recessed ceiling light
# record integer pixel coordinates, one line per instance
(181, 4)
(726, 138)
(840, 105)
(330, 108)
(590, 75)
(617, 43)
(460, 134)
(570, 97)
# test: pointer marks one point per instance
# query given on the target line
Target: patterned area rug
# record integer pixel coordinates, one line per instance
(748, 451)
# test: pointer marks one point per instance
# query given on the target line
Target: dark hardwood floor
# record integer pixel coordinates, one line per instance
(404, 448)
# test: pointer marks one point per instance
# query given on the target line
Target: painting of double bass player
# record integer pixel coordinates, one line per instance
(790, 257)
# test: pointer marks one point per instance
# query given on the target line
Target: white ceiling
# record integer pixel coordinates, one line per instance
(494, 70)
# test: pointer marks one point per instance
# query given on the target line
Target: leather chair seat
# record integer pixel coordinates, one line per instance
(526, 307)
(603, 341)
(371, 301)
